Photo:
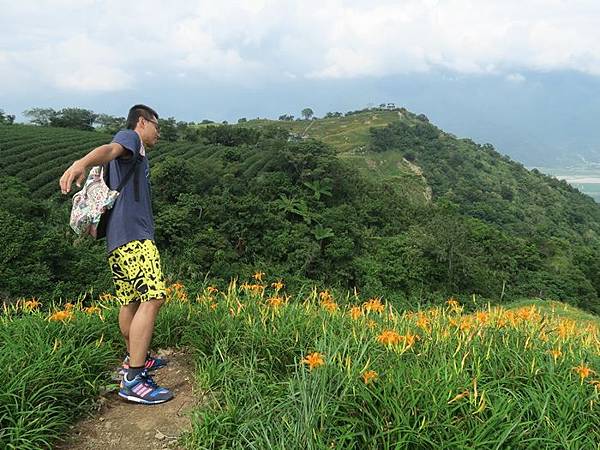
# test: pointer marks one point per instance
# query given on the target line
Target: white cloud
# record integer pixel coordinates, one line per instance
(462, 36)
(515, 78)
(195, 47)
(81, 64)
(105, 45)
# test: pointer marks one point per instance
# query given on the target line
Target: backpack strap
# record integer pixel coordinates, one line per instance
(126, 178)
(136, 179)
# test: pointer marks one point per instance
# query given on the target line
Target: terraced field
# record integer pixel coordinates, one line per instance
(39, 155)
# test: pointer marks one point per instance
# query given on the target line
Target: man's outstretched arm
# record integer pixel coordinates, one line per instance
(98, 156)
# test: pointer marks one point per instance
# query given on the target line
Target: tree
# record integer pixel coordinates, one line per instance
(76, 118)
(229, 135)
(40, 116)
(187, 131)
(168, 129)
(110, 124)
(6, 119)
(307, 113)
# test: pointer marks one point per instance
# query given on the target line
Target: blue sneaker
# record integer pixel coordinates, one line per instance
(152, 363)
(143, 389)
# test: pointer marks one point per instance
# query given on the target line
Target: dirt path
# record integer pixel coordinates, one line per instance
(121, 424)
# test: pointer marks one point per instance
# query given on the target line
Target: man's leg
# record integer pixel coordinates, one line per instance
(126, 314)
(141, 330)
(138, 264)
(137, 385)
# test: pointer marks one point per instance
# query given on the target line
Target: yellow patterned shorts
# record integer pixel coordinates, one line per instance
(136, 272)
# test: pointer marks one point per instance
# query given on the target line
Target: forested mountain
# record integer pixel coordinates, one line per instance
(383, 201)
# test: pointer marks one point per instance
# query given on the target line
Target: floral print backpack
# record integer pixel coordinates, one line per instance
(92, 203)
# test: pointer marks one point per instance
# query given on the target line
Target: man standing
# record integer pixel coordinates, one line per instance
(132, 255)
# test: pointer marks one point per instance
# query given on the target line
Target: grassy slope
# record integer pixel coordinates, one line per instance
(249, 366)
(349, 134)
(558, 309)
(350, 137)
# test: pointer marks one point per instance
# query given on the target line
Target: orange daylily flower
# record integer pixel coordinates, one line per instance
(423, 322)
(32, 304)
(313, 360)
(369, 376)
(62, 316)
(482, 317)
(325, 296)
(258, 276)
(454, 305)
(566, 328)
(374, 305)
(583, 371)
(256, 289)
(389, 337)
(275, 302)
(355, 312)
(91, 310)
(556, 353)
(178, 286)
(106, 296)
(329, 306)
(278, 285)
(465, 324)
(410, 339)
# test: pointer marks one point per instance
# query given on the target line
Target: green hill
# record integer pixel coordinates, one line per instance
(347, 134)
(379, 200)
(350, 137)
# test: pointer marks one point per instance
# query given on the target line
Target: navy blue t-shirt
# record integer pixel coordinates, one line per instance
(130, 220)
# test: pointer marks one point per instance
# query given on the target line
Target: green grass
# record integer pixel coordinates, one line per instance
(265, 397)
(52, 372)
(344, 134)
(559, 309)
(480, 380)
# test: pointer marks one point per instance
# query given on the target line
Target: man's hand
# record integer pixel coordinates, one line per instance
(76, 173)
(98, 156)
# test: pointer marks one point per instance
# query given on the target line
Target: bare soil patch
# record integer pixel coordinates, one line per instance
(122, 424)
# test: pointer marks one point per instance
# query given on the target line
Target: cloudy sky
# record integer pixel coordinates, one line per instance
(523, 74)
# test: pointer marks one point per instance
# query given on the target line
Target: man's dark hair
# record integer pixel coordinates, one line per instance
(138, 111)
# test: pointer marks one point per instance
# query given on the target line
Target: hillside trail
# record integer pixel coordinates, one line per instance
(121, 424)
